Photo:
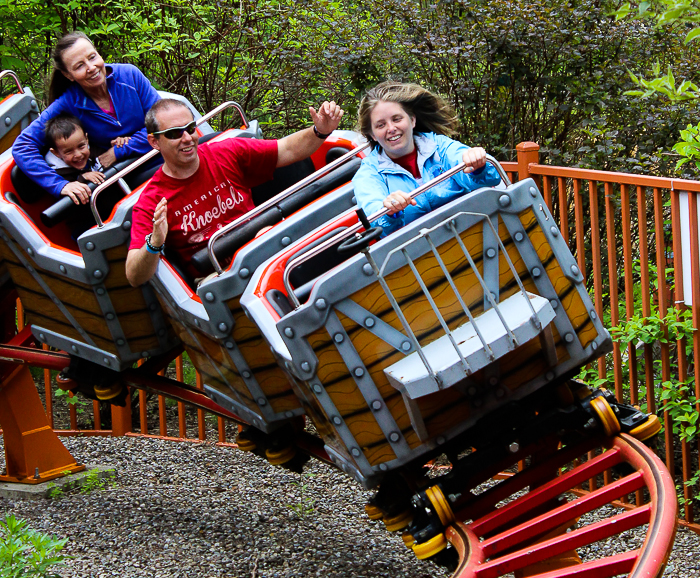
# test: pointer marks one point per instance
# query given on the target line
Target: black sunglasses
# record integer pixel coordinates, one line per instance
(176, 132)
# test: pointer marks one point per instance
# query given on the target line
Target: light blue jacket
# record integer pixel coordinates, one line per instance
(379, 176)
(132, 96)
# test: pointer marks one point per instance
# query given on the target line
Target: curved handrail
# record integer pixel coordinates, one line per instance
(150, 154)
(357, 227)
(11, 74)
(277, 198)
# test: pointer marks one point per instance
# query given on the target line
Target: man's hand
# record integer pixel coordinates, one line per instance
(397, 202)
(120, 141)
(160, 223)
(94, 177)
(327, 119)
(79, 192)
(475, 158)
(108, 159)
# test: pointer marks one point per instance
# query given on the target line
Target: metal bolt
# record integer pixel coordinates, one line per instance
(196, 322)
(594, 345)
(97, 274)
(337, 420)
(243, 273)
(514, 447)
(110, 316)
(593, 314)
(394, 437)
(126, 225)
(246, 374)
(229, 345)
(289, 332)
(440, 440)
(42, 336)
(318, 388)
(376, 405)
(105, 361)
(575, 270)
(144, 354)
(533, 191)
(554, 231)
(369, 322)
(569, 337)
(356, 452)
(536, 272)
(359, 372)
(90, 246)
(209, 296)
(490, 252)
(8, 121)
(504, 200)
(519, 237)
(223, 327)
(120, 341)
(383, 467)
(285, 241)
(549, 376)
(262, 401)
(62, 268)
(30, 251)
(406, 345)
(367, 269)
(306, 366)
(338, 338)
(320, 303)
(289, 414)
(74, 348)
(554, 303)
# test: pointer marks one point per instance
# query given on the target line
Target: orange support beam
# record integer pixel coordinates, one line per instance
(33, 452)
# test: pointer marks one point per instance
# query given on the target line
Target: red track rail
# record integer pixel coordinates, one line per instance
(517, 536)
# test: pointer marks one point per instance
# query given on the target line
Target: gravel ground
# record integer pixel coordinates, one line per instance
(201, 511)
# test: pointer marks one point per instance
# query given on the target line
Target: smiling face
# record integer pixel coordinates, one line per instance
(392, 128)
(74, 150)
(83, 64)
(179, 155)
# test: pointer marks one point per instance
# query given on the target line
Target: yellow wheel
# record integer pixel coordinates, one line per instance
(649, 428)
(280, 457)
(408, 539)
(245, 444)
(107, 392)
(606, 415)
(441, 505)
(399, 522)
(431, 547)
(373, 513)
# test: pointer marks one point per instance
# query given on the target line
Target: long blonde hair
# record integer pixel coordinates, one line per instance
(432, 112)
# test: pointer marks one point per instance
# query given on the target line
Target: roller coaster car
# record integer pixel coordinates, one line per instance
(75, 293)
(448, 323)
(239, 370)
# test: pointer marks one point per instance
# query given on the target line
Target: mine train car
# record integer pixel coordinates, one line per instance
(456, 337)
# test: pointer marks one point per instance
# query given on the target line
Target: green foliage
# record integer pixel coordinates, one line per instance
(305, 506)
(77, 401)
(27, 553)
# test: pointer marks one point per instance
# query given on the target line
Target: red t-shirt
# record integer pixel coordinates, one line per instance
(409, 162)
(215, 195)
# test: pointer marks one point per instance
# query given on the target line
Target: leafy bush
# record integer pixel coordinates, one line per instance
(26, 553)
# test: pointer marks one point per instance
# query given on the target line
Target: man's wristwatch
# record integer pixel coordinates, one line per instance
(320, 134)
(152, 249)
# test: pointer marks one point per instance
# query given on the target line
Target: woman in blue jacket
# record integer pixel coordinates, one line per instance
(111, 101)
(408, 128)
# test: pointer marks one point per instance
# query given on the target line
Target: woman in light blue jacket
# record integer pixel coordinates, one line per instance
(408, 128)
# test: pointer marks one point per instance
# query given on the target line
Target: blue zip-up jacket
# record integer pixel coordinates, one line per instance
(379, 176)
(132, 95)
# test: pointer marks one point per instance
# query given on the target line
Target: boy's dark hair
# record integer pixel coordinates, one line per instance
(61, 126)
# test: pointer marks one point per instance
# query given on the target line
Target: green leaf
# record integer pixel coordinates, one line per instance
(692, 35)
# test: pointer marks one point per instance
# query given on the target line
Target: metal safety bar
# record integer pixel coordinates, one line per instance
(276, 199)
(12, 75)
(357, 227)
(149, 155)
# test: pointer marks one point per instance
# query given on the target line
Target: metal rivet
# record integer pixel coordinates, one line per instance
(97, 274)
(575, 270)
(383, 467)
(533, 191)
(110, 316)
(406, 345)
(42, 336)
(320, 303)
(337, 420)
(536, 272)
(356, 452)
(569, 337)
(554, 231)
(285, 241)
(246, 374)
(376, 405)
(30, 269)
(144, 354)
(549, 376)
(519, 237)
(339, 338)
(243, 273)
(493, 380)
(196, 322)
(120, 341)
(90, 246)
(504, 200)
(100, 290)
(8, 121)
(223, 327)
(74, 348)
(306, 366)
(30, 250)
(554, 303)
(514, 447)
(262, 401)
(440, 440)
(289, 414)
(594, 315)
(105, 361)
(126, 225)
(369, 322)
(318, 388)
(367, 269)
(62, 268)
(209, 296)
(229, 345)
(359, 372)
(594, 345)
(394, 437)
(490, 252)
(289, 332)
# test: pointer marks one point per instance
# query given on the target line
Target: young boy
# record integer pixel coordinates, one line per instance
(70, 154)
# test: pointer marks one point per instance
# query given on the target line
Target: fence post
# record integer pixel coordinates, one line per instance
(528, 152)
(121, 418)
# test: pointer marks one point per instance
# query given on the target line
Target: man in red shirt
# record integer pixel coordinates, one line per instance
(199, 190)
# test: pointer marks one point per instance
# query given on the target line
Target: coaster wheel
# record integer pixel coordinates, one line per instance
(519, 538)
